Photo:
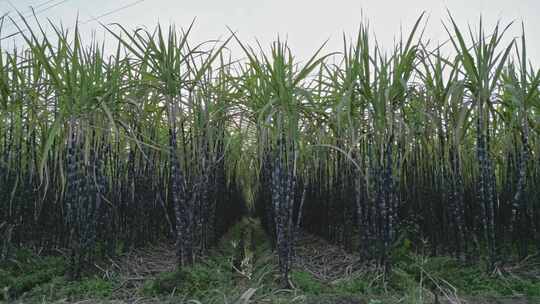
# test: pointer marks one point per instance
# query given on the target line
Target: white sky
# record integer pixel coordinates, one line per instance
(306, 24)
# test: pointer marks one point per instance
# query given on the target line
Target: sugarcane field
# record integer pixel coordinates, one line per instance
(159, 164)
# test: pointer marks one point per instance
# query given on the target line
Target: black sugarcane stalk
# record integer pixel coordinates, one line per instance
(183, 216)
(282, 193)
(301, 208)
(71, 196)
(456, 200)
(520, 199)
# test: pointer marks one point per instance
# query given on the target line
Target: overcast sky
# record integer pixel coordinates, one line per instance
(306, 24)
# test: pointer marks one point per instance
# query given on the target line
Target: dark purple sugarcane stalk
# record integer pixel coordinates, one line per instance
(457, 202)
(283, 183)
(492, 200)
(485, 185)
(184, 246)
(520, 199)
(204, 205)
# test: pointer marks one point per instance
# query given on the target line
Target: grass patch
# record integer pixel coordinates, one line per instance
(32, 278)
(471, 280)
(194, 282)
(367, 283)
(26, 271)
(59, 288)
(307, 283)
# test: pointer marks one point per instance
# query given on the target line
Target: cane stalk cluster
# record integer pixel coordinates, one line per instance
(364, 147)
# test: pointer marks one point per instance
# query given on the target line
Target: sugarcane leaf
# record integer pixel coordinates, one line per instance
(53, 133)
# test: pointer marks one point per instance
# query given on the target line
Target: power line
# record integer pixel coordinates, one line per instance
(113, 11)
(35, 9)
(37, 6)
(51, 6)
(37, 12)
(30, 7)
(34, 13)
(25, 11)
(41, 4)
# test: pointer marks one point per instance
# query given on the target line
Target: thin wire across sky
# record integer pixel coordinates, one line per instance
(50, 4)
